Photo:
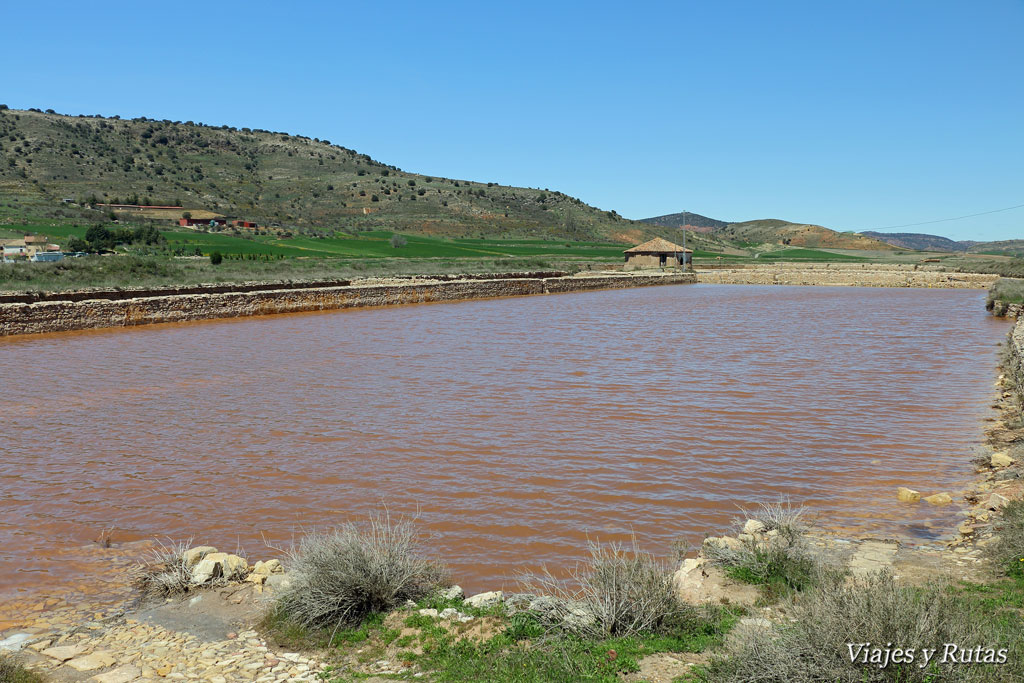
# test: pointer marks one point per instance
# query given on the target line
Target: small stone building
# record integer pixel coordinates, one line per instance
(658, 253)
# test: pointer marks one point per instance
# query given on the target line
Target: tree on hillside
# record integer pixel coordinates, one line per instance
(397, 241)
(99, 238)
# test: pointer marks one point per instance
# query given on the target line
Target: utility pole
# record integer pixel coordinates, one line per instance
(684, 241)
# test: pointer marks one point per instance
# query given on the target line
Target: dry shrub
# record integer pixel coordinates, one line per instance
(874, 609)
(11, 671)
(164, 572)
(1006, 552)
(341, 576)
(618, 593)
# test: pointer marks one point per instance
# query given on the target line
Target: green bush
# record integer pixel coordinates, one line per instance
(216, 258)
(780, 558)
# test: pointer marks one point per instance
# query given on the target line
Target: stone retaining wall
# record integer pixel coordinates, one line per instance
(856, 275)
(70, 314)
(1013, 363)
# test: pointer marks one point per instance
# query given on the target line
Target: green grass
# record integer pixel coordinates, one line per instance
(160, 271)
(807, 255)
(523, 650)
(1007, 291)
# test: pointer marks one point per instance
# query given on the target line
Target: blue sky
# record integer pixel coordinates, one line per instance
(854, 115)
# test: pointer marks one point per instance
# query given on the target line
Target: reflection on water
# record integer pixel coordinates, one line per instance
(516, 427)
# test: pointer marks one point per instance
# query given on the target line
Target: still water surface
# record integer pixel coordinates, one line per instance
(518, 427)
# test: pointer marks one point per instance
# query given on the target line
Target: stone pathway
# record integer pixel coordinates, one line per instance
(194, 639)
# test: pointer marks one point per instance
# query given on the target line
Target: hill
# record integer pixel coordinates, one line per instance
(690, 220)
(1002, 248)
(774, 231)
(55, 162)
(919, 241)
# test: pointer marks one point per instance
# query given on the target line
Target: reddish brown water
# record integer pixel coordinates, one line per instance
(518, 427)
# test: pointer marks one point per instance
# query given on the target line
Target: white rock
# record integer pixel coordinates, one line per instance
(268, 567)
(429, 613)
(481, 600)
(453, 593)
(122, 674)
(754, 526)
(724, 542)
(217, 565)
(192, 556)
(96, 660)
(449, 613)
(996, 501)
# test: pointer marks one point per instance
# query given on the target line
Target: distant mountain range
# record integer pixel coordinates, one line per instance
(749, 234)
(770, 231)
(921, 241)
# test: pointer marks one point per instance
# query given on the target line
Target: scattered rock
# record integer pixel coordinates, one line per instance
(192, 556)
(578, 618)
(482, 600)
(1001, 459)
(727, 542)
(122, 674)
(97, 660)
(996, 501)
(453, 593)
(258, 579)
(429, 613)
(63, 653)
(219, 565)
(449, 613)
(907, 495)
(698, 581)
(754, 526)
(939, 499)
(268, 567)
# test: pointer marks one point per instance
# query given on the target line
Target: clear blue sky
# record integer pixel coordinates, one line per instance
(854, 115)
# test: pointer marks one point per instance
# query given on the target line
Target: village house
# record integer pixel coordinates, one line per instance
(658, 253)
(29, 247)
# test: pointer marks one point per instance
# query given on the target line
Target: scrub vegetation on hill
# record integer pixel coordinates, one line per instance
(272, 177)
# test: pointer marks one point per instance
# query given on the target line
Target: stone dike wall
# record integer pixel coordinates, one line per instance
(164, 306)
(846, 274)
(1013, 364)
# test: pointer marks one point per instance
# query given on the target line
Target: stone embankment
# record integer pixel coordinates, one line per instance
(845, 274)
(111, 309)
